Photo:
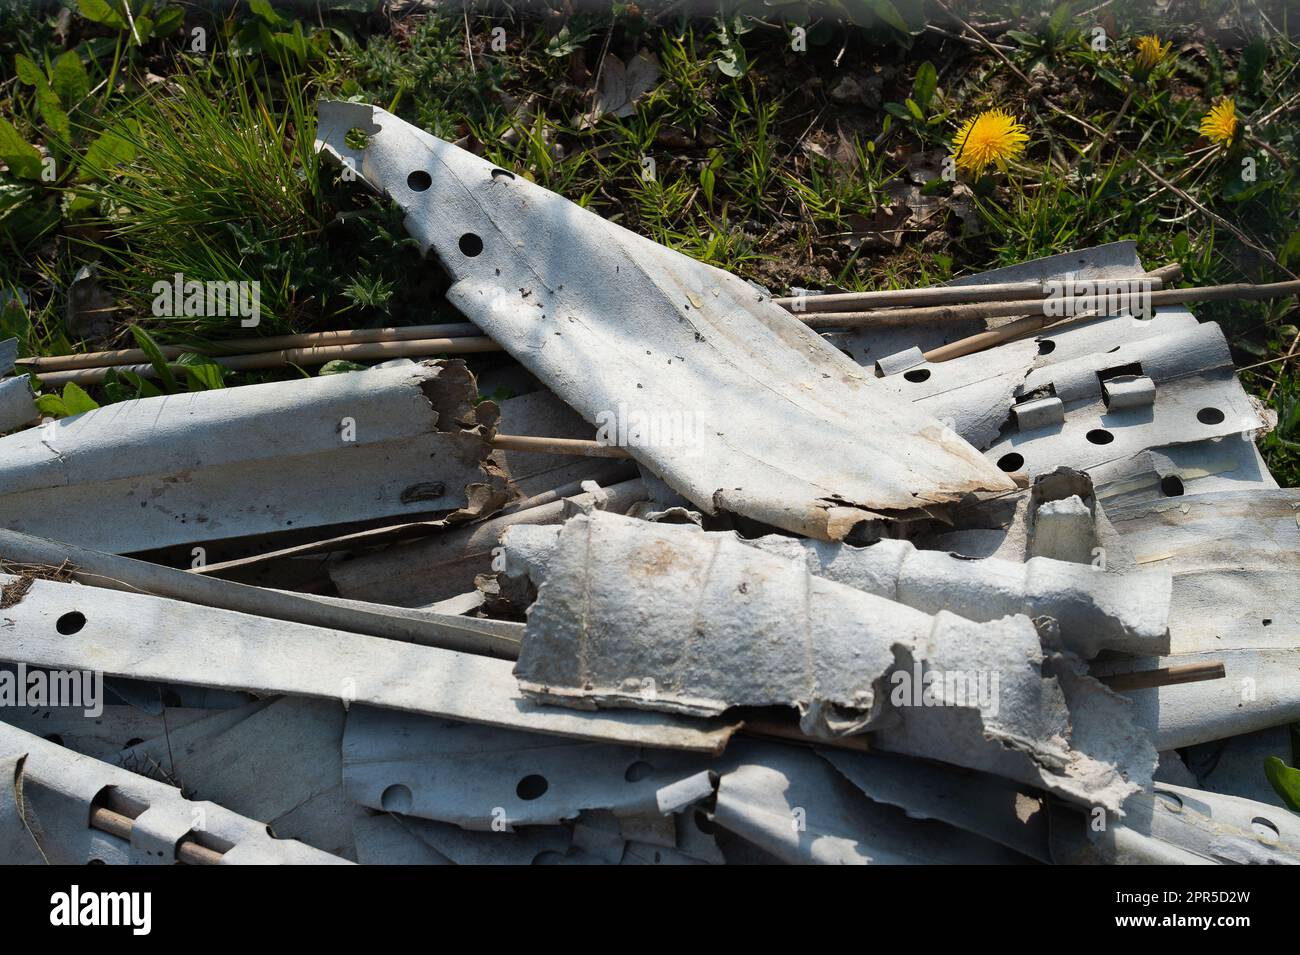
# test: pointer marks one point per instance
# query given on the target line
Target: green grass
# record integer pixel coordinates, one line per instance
(224, 185)
(758, 168)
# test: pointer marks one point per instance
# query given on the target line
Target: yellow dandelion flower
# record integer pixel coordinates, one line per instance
(1220, 123)
(1150, 52)
(991, 137)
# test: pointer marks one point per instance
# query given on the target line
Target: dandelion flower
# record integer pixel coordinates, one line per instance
(991, 137)
(1220, 123)
(1150, 53)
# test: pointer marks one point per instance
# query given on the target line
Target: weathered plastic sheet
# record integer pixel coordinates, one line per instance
(1171, 471)
(149, 638)
(1234, 561)
(794, 805)
(790, 433)
(656, 616)
(251, 460)
(473, 777)
(1193, 390)
(156, 756)
(1234, 558)
(16, 405)
(60, 786)
(482, 778)
(383, 840)
(410, 840)
(278, 762)
(1177, 825)
(104, 736)
(1186, 363)
(1197, 397)
(988, 806)
(977, 392)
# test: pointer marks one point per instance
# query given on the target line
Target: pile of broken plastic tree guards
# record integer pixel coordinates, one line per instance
(845, 579)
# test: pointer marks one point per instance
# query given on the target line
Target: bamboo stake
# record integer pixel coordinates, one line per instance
(949, 294)
(982, 341)
(574, 446)
(1164, 676)
(120, 825)
(237, 346)
(313, 355)
(981, 310)
(937, 295)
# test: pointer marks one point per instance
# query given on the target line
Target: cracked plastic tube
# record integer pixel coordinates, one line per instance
(1094, 610)
(632, 614)
(251, 460)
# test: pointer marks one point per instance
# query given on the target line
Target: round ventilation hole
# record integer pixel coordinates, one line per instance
(1169, 800)
(502, 174)
(1011, 462)
(532, 787)
(70, 622)
(419, 181)
(1265, 830)
(917, 375)
(1100, 436)
(1171, 485)
(1209, 416)
(396, 798)
(1046, 346)
(638, 770)
(470, 244)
